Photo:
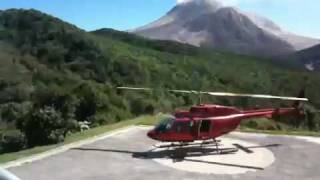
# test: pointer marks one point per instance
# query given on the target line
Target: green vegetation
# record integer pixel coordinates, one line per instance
(283, 132)
(53, 75)
(144, 120)
(273, 127)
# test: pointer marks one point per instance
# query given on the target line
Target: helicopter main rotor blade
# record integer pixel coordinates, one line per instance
(185, 91)
(223, 94)
(150, 89)
(138, 89)
(260, 96)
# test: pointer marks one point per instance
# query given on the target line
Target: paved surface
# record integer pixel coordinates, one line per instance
(125, 156)
(235, 157)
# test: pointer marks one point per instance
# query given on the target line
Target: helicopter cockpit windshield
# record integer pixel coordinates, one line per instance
(165, 124)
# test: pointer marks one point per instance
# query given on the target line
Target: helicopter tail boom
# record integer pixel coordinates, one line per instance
(269, 113)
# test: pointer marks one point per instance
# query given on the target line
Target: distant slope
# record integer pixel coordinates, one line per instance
(180, 48)
(159, 45)
(207, 23)
(310, 58)
(47, 62)
(297, 41)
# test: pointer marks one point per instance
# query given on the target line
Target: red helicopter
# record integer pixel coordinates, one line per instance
(209, 121)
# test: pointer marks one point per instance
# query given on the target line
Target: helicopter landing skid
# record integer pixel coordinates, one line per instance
(202, 144)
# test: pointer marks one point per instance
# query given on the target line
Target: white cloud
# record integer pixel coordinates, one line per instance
(229, 2)
(225, 2)
(183, 1)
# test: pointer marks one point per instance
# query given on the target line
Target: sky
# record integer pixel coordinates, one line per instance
(298, 16)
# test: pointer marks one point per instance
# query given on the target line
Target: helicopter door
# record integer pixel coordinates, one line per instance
(183, 130)
(205, 127)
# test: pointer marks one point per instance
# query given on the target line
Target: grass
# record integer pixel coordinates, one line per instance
(273, 127)
(144, 120)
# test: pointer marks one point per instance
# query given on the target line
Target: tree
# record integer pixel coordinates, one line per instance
(88, 103)
(141, 106)
(43, 126)
(12, 143)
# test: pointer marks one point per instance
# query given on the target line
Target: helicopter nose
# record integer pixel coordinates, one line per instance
(152, 134)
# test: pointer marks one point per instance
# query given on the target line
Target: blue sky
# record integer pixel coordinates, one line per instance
(299, 16)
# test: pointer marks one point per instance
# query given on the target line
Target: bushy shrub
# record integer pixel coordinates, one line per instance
(12, 143)
(43, 126)
(250, 124)
(141, 106)
(261, 124)
(88, 102)
(11, 112)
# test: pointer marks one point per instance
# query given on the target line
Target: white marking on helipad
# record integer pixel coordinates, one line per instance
(243, 134)
(234, 163)
(310, 139)
(305, 138)
(64, 148)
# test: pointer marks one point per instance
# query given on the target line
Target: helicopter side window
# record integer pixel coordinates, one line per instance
(165, 124)
(182, 127)
(169, 125)
(205, 126)
(191, 124)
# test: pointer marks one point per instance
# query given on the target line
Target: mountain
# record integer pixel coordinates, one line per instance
(51, 66)
(207, 23)
(297, 41)
(310, 58)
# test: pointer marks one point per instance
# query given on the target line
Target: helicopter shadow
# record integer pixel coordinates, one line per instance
(185, 153)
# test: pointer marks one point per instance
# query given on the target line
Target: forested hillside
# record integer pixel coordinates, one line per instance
(310, 58)
(53, 74)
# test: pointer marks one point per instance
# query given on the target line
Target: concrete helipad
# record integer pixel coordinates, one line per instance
(130, 155)
(228, 159)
